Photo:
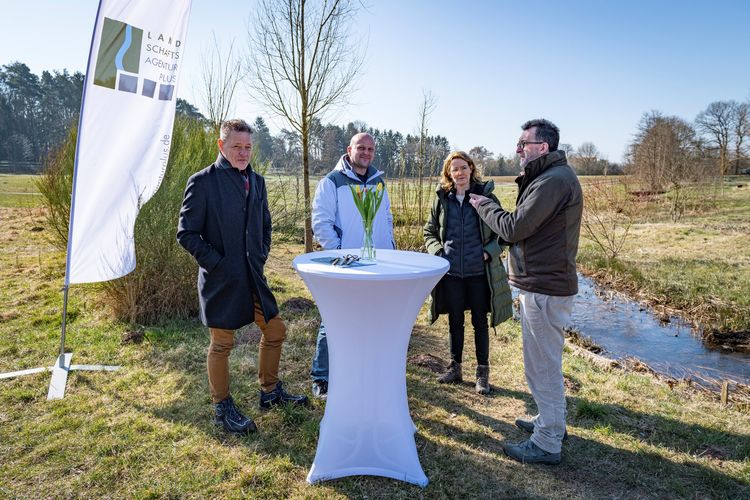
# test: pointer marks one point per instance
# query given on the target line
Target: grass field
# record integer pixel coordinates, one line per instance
(698, 266)
(19, 191)
(145, 431)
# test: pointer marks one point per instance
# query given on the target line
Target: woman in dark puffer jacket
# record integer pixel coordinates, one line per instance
(476, 279)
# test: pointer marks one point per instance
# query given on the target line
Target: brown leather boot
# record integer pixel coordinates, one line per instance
(453, 375)
(483, 380)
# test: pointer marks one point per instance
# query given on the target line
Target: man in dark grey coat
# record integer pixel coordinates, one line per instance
(543, 233)
(225, 224)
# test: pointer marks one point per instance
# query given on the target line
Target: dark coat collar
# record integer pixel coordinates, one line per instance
(236, 176)
(223, 163)
(484, 188)
(535, 168)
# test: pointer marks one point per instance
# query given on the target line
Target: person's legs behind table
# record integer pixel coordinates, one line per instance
(228, 415)
(543, 318)
(454, 297)
(273, 333)
(319, 371)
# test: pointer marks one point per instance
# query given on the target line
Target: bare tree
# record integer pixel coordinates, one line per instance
(667, 154)
(302, 62)
(716, 122)
(608, 214)
(486, 161)
(740, 132)
(426, 108)
(220, 76)
(588, 150)
(567, 148)
(586, 160)
(482, 157)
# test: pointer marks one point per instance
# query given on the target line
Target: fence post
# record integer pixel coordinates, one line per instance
(724, 393)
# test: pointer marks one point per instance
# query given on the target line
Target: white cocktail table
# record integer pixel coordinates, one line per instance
(368, 311)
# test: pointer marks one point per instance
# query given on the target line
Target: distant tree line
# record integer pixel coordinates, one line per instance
(36, 113)
(396, 154)
(399, 155)
(586, 160)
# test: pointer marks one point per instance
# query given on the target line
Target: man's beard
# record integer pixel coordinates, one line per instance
(528, 160)
(357, 165)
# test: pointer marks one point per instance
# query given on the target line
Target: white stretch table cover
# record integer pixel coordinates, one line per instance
(368, 312)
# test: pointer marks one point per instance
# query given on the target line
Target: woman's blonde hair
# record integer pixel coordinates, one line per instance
(445, 180)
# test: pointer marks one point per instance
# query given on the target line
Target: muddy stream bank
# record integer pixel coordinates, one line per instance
(624, 328)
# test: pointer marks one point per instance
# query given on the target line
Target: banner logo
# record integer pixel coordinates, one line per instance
(118, 62)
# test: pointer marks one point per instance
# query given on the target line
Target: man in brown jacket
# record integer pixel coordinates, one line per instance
(543, 233)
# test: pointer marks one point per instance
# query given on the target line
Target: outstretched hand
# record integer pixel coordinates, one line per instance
(477, 199)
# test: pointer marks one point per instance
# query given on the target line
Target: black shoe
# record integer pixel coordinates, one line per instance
(230, 418)
(453, 375)
(528, 426)
(529, 453)
(279, 396)
(320, 389)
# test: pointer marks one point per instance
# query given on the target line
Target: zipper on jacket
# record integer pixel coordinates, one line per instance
(463, 223)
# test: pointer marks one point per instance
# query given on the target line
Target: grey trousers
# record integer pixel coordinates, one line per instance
(543, 318)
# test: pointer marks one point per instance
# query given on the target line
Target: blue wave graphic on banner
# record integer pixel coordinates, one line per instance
(125, 47)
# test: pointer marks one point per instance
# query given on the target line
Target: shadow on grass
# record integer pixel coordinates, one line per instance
(590, 467)
(180, 348)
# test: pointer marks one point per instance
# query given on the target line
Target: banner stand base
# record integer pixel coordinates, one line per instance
(59, 374)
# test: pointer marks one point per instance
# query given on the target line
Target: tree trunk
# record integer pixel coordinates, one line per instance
(306, 122)
(306, 187)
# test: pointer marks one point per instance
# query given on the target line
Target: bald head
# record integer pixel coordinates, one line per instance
(361, 152)
(356, 138)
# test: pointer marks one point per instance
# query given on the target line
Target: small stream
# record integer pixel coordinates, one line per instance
(624, 328)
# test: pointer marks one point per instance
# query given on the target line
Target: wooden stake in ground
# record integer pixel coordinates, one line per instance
(724, 393)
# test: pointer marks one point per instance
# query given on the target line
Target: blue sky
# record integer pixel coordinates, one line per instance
(592, 67)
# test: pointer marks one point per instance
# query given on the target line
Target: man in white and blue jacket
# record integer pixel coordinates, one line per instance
(336, 223)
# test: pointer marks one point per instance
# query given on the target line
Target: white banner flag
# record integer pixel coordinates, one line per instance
(125, 131)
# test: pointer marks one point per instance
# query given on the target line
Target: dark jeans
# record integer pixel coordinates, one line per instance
(471, 293)
(320, 360)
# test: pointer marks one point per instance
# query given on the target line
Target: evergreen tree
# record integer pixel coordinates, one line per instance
(262, 141)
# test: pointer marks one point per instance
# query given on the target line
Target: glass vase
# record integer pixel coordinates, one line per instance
(367, 253)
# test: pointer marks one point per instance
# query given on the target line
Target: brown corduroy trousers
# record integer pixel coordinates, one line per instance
(269, 355)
